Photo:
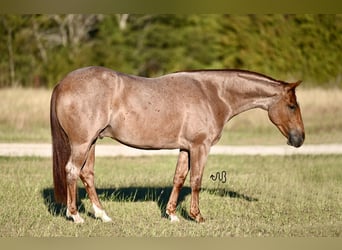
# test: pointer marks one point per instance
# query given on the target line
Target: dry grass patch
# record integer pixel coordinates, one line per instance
(24, 115)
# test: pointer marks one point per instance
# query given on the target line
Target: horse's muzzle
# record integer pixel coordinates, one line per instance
(296, 138)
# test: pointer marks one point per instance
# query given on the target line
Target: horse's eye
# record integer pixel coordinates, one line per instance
(292, 106)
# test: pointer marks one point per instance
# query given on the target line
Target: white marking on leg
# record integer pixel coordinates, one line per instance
(174, 218)
(75, 217)
(100, 213)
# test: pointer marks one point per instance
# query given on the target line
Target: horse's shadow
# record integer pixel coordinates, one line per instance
(160, 195)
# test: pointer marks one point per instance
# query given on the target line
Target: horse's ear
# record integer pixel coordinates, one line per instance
(292, 86)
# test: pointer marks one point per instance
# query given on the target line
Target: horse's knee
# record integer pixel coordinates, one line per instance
(178, 181)
(195, 183)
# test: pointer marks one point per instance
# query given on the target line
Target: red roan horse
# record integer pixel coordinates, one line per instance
(183, 110)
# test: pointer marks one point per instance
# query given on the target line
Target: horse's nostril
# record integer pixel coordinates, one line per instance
(296, 138)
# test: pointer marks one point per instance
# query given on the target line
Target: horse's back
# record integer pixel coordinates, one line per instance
(169, 111)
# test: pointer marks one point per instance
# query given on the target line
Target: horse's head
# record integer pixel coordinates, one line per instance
(285, 114)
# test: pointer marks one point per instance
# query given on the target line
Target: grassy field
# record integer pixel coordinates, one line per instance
(24, 117)
(263, 196)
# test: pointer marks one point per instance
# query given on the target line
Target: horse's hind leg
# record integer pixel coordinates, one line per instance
(79, 154)
(87, 177)
(178, 181)
(73, 168)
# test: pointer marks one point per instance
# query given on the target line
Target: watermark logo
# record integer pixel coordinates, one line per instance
(219, 176)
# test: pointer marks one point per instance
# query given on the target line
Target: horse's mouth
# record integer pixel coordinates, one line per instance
(295, 138)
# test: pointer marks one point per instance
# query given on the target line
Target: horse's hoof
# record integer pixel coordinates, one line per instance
(174, 218)
(199, 219)
(101, 214)
(104, 217)
(77, 219)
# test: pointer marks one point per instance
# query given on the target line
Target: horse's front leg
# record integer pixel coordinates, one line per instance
(198, 158)
(181, 172)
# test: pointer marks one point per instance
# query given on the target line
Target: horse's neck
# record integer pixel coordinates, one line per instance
(245, 95)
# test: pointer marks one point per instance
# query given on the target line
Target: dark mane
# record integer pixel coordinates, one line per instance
(251, 75)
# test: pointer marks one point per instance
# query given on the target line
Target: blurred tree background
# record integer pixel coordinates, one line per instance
(39, 50)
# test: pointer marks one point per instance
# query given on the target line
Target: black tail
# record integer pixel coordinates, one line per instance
(60, 152)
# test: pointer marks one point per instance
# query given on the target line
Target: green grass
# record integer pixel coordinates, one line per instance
(263, 196)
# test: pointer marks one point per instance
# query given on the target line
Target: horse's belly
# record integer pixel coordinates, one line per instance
(150, 132)
(147, 140)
